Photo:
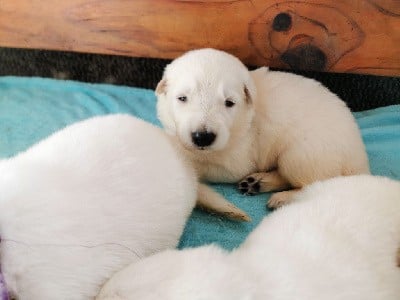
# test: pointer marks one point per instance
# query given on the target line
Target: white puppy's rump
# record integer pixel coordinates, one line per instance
(272, 130)
(82, 204)
(338, 241)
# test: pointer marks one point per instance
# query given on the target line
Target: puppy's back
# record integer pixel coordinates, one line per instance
(338, 240)
(87, 201)
(310, 122)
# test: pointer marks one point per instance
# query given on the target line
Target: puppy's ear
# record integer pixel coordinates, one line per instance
(161, 87)
(247, 95)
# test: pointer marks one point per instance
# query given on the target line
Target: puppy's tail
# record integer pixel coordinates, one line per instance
(211, 201)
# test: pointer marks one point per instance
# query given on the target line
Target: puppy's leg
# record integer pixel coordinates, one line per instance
(263, 182)
(281, 198)
(210, 200)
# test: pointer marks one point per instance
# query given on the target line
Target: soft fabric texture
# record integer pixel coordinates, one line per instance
(32, 108)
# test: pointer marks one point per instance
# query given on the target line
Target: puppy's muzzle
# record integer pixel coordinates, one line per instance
(203, 138)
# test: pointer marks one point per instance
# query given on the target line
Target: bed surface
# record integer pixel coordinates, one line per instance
(33, 108)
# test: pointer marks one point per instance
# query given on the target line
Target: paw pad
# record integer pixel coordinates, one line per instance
(249, 186)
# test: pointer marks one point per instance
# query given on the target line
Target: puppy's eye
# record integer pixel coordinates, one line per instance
(229, 103)
(182, 98)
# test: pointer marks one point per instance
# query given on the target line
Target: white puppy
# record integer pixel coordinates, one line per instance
(87, 201)
(273, 130)
(337, 242)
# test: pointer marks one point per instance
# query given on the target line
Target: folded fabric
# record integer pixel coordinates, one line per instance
(33, 108)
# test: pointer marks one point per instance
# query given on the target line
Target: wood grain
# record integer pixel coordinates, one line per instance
(360, 36)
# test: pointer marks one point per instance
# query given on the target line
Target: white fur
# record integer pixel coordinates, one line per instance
(292, 124)
(337, 242)
(87, 201)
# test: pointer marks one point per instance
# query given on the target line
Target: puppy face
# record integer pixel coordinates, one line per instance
(205, 99)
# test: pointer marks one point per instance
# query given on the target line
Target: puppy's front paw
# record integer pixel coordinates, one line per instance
(250, 185)
(262, 182)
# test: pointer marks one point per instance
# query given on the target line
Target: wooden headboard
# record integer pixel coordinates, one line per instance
(358, 36)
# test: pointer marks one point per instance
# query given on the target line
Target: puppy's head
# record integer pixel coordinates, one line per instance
(205, 99)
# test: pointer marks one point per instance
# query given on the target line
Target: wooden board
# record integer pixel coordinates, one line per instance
(360, 36)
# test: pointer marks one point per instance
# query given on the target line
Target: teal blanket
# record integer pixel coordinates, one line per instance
(33, 108)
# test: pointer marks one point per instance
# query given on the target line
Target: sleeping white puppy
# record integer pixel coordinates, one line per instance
(270, 130)
(337, 242)
(86, 202)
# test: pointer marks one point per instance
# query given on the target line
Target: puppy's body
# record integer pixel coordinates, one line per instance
(280, 122)
(299, 127)
(80, 205)
(304, 130)
(337, 242)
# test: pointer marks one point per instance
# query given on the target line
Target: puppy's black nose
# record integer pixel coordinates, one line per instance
(203, 138)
